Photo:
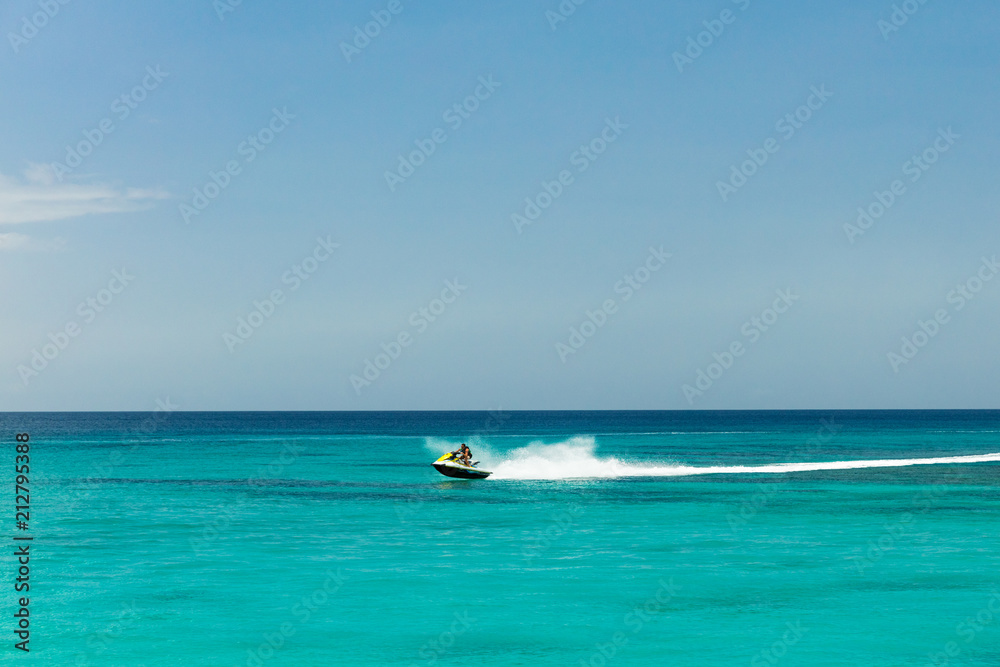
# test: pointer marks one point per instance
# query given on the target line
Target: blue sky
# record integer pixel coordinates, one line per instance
(501, 299)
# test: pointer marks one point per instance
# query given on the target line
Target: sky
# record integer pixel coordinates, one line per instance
(435, 204)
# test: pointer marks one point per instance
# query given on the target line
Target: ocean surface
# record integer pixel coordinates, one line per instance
(602, 538)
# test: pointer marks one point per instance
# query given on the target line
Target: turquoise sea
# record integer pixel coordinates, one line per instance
(603, 538)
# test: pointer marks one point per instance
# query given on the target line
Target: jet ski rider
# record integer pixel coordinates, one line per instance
(464, 455)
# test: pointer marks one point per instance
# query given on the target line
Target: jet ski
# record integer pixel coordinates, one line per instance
(449, 466)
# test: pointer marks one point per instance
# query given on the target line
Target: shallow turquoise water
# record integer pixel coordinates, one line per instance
(327, 539)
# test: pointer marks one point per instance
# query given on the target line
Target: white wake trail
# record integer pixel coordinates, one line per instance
(576, 459)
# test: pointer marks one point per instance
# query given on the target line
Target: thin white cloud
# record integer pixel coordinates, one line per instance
(39, 198)
(12, 242)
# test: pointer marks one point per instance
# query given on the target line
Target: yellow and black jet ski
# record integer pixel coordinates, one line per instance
(450, 466)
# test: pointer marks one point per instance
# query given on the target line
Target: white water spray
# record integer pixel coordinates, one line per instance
(576, 459)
